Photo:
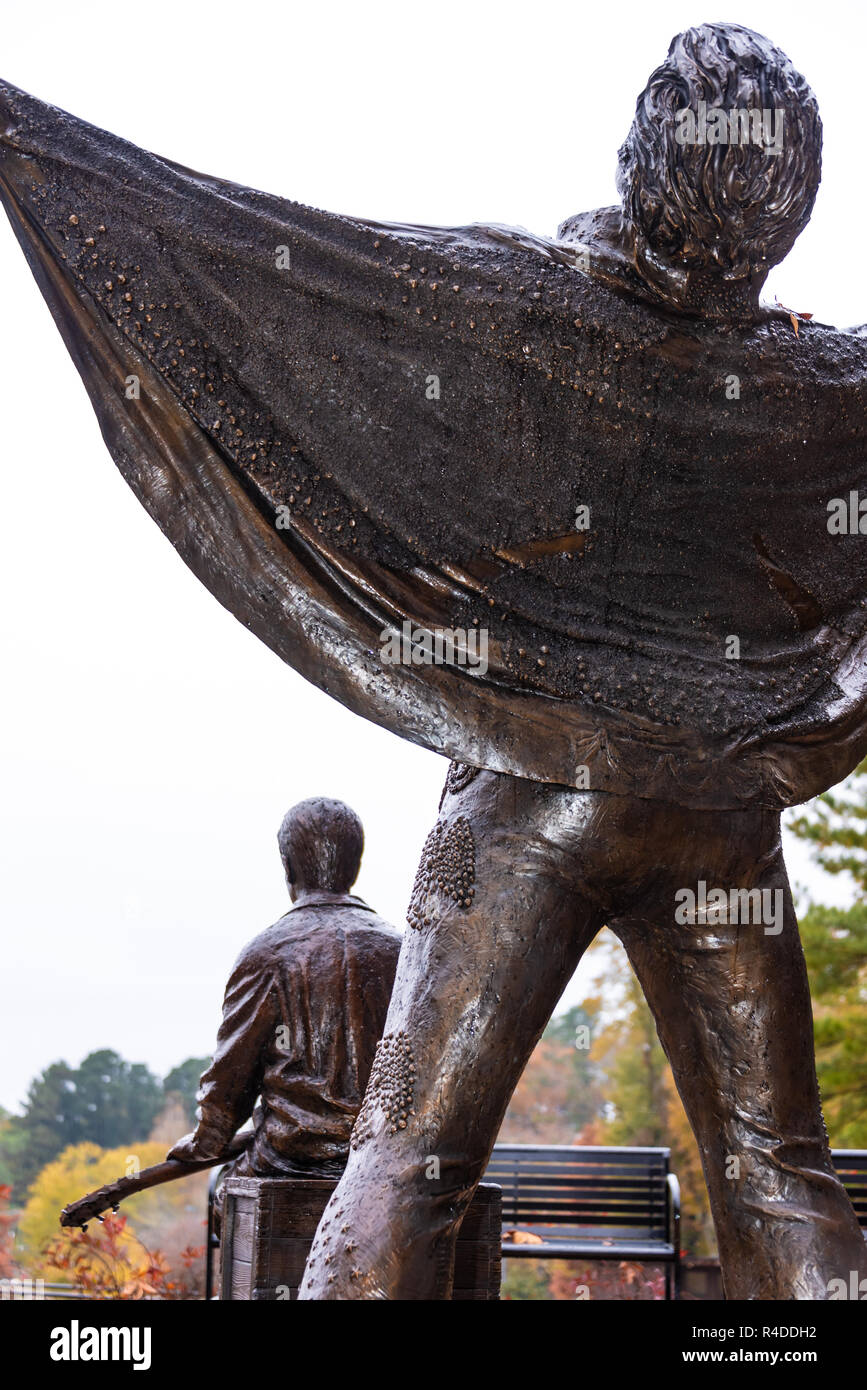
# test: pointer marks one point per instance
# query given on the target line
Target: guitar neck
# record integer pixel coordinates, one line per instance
(89, 1208)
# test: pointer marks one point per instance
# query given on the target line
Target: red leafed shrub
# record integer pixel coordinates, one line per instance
(107, 1261)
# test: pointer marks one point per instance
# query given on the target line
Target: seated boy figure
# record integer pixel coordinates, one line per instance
(303, 1011)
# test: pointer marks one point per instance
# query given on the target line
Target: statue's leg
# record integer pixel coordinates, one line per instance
(732, 1008)
(498, 922)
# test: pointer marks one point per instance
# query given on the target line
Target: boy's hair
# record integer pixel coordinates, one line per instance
(321, 843)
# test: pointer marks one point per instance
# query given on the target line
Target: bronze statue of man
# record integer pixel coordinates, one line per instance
(304, 1009)
(598, 460)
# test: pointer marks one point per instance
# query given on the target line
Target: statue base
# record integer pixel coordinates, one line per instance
(269, 1225)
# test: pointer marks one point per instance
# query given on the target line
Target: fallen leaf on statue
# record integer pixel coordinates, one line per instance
(794, 315)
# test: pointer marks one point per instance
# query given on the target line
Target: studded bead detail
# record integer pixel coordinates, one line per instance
(447, 869)
(390, 1089)
(458, 776)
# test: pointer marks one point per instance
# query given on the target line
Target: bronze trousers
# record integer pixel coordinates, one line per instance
(520, 877)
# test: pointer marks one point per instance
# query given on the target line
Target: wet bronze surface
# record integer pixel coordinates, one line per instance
(285, 358)
(304, 1007)
(343, 425)
(476, 985)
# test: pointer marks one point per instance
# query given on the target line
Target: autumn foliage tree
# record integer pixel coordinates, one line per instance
(7, 1234)
(558, 1094)
(643, 1106)
(835, 945)
(168, 1219)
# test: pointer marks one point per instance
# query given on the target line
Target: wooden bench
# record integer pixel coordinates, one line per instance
(611, 1204)
(578, 1202)
(851, 1166)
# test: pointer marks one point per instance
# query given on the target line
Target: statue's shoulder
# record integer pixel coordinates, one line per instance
(291, 937)
(366, 920)
(373, 943)
(310, 926)
(262, 950)
(807, 352)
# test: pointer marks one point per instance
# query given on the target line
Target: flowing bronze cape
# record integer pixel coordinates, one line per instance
(285, 358)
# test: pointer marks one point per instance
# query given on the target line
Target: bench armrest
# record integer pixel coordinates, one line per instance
(673, 1204)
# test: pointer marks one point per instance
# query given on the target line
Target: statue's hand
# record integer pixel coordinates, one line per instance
(186, 1150)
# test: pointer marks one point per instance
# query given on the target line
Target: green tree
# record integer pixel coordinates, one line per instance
(835, 946)
(38, 1135)
(835, 825)
(183, 1081)
(13, 1141)
(105, 1101)
(115, 1101)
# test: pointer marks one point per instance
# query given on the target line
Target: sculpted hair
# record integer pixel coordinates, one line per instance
(733, 206)
(321, 843)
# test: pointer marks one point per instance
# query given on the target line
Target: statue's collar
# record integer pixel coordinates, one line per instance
(320, 898)
(608, 249)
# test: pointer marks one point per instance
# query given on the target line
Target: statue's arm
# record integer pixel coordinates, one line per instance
(229, 1088)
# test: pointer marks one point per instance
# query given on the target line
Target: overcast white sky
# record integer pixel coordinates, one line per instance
(150, 745)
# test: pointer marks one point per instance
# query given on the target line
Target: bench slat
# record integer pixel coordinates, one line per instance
(646, 1251)
(654, 1183)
